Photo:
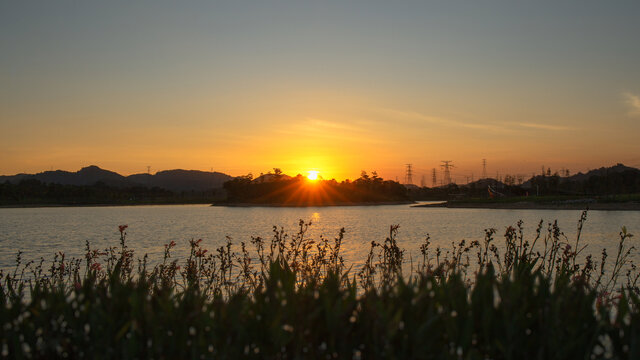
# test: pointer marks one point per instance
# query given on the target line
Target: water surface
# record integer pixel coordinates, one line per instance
(44, 231)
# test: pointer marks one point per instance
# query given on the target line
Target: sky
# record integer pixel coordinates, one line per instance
(332, 86)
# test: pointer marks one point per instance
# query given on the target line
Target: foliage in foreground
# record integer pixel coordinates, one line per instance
(300, 303)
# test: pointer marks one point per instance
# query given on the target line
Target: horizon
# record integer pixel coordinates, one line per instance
(315, 175)
(333, 88)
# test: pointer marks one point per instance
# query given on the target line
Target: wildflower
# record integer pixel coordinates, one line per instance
(122, 228)
(605, 299)
(201, 253)
(96, 267)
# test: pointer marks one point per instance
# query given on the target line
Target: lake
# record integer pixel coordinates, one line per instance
(44, 231)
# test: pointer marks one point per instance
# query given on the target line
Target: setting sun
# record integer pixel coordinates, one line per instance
(313, 175)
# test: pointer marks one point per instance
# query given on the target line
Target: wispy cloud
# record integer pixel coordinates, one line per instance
(418, 117)
(488, 126)
(545, 126)
(325, 124)
(633, 102)
(320, 129)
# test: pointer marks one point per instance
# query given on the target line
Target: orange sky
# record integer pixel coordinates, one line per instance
(338, 88)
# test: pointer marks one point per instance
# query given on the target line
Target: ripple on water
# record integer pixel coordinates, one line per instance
(44, 231)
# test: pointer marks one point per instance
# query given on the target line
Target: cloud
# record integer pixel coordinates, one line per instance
(325, 130)
(493, 127)
(545, 126)
(325, 124)
(422, 118)
(633, 102)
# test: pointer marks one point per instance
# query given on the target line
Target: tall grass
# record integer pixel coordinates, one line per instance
(294, 297)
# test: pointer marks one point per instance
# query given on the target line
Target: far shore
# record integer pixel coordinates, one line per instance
(19, 206)
(527, 205)
(315, 205)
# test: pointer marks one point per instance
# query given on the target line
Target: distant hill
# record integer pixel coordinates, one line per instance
(271, 177)
(174, 180)
(182, 180)
(86, 176)
(590, 175)
(603, 171)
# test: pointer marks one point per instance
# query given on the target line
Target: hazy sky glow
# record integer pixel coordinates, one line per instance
(336, 87)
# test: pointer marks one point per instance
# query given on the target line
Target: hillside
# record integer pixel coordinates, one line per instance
(174, 180)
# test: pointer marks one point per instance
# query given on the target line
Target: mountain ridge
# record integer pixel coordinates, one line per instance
(174, 180)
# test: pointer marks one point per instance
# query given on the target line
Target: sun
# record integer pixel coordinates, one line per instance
(312, 175)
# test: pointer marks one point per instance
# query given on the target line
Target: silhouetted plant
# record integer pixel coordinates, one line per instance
(293, 298)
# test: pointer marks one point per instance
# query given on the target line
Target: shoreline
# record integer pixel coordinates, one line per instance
(624, 206)
(27, 206)
(315, 205)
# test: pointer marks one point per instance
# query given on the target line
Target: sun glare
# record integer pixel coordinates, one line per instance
(313, 175)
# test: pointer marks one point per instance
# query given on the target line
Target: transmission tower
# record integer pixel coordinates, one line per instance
(423, 181)
(447, 165)
(408, 178)
(434, 179)
(148, 169)
(484, 168)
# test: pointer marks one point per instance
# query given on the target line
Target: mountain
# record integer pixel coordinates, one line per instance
(618, 169)
(174, 180)
(271, 177)
(603, 171)
(86, 176)
(182, 180)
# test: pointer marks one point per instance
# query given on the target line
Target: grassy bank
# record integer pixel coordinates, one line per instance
(294, 297)
(611, 202)
(556, 199)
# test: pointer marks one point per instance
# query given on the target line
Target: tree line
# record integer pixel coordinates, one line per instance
(298, 190)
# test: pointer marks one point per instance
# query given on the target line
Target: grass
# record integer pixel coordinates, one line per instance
(293, 297)
(551, 199)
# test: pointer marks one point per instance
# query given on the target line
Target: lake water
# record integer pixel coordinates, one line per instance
(44, 231)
